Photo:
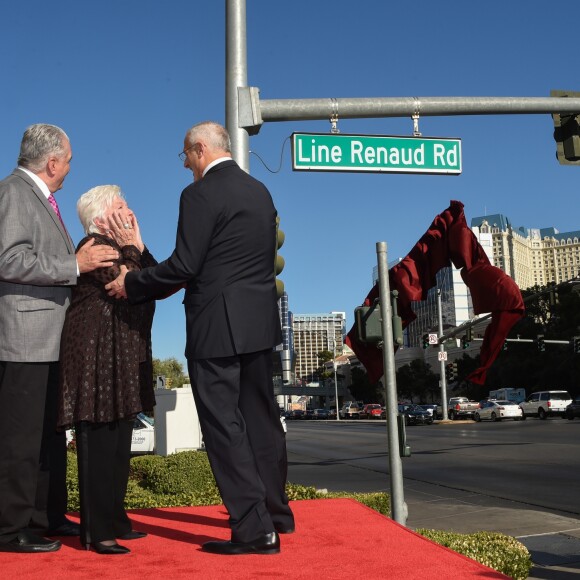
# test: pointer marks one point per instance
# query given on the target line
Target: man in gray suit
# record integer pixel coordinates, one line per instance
(37, 267)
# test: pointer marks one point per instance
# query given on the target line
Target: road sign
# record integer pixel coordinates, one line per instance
(375, 153)
(432, 338)
(442, 356)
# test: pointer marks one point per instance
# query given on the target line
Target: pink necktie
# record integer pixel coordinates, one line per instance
(54, 205)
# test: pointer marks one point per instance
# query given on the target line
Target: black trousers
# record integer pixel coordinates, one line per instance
(244, 439)
(32, 453)
(103, 454)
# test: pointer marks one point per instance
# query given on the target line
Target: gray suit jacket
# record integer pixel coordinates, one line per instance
(37, 268)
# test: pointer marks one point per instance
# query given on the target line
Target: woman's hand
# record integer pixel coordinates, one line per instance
(125, 230)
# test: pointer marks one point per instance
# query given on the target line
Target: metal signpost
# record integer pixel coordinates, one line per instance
(375, 153)
(398, 505)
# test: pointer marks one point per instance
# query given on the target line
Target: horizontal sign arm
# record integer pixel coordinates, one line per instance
(253, 111)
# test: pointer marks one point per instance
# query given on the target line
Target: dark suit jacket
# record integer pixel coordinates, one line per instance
(224, 253)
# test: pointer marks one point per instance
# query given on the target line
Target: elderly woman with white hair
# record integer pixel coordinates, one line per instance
(106, 375)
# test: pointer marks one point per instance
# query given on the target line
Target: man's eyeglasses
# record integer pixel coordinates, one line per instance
(182, 155)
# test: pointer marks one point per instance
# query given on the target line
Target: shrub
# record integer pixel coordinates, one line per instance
(498, 551)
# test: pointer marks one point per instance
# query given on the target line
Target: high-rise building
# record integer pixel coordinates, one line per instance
(531, 256)
(285, 351)
(314, 333)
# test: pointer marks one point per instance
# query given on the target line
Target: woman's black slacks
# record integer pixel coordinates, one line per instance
(103, 454)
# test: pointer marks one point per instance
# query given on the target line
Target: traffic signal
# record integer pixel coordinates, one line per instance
(454, 371)
(567, 133)
(540, 342)
(466, 339)
(425, 341)
(451, 372)
(554, 297)
(279, 262)
(576, 344)
(367, 321)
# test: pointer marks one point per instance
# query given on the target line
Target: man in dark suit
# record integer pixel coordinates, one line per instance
(37, 267)
(224, 255)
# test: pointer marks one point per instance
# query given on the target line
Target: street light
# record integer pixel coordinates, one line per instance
(335, 380)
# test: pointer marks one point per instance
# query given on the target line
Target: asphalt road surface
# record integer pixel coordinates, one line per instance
(532, 462)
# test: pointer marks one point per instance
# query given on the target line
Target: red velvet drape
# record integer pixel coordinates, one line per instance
(449, 240)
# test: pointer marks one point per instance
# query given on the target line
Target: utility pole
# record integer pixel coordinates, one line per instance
(442, 360)
(236, 76)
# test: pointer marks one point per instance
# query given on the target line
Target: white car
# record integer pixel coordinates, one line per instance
(143, 440)
(546, 403)
(498, 410)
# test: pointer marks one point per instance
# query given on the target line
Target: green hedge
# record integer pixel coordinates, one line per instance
(498, 551)
(186, 479)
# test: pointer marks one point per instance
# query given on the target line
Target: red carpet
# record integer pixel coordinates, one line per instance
(335, 539)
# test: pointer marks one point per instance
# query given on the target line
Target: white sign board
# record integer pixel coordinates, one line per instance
(442, 356)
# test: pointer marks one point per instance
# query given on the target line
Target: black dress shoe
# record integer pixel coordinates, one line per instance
(266, 544)
(101, 548)
(133, 535)
(26, 542)
(282, 529)
(65, 529)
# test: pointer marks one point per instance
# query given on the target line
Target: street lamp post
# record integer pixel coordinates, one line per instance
(335, 381)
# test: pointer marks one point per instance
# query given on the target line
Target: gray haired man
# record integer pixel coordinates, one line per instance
(38, 265)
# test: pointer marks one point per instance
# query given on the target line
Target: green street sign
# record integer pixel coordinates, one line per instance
(375, 153)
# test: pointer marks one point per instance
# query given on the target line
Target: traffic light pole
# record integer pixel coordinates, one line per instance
(442, 376)
(236, 76)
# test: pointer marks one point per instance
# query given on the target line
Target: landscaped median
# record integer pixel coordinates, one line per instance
(185, 479)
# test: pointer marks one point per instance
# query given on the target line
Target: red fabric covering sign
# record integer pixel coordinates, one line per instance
(449, 241)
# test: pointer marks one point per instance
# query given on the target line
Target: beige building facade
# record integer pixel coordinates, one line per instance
(531, 256)
(314, 333)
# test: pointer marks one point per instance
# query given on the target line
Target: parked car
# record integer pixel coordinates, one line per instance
(573, 409)
(461, 408)
(320, 414)
(433, 410)
(332, 413)
(143, 439)
(415, 415)
(371, 411)
(350, 410)
(543, 404)
(498, 410)
(295, 414)
(308, 414)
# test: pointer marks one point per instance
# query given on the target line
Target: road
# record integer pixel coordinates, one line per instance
(531, 462)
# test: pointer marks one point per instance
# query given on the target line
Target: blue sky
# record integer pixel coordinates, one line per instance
(126, 78)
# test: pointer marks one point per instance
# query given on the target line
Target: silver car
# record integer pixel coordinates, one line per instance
(498, 410)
